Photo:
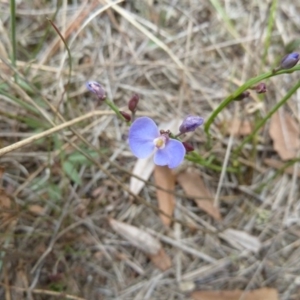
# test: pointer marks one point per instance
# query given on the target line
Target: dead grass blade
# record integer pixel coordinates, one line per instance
(285, 134)
(50, 131)
(165, 179)
(241, 240)
(82, 13)
(259, 294)
(194, 187)
(59, 295)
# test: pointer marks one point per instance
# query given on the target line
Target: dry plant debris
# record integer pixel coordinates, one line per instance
(180, 57)
(285, 133)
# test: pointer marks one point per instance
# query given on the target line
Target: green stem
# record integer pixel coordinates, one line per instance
(277, 173)
(13, 34)
(268, 116)
(269, 30)
(240, 90)
(196, 158)
(114, 108)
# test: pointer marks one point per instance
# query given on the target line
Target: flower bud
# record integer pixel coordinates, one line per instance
(126, 116)
(96, 88)
(133, 102)
(190, 123)
(289, 60)
(242, 96)
(188, 147)
(261, 88)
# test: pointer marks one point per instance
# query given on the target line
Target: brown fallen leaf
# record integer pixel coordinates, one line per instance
(285, 134)
(278, 165)
(259, 294)
(143, 241)
(36, 209)
(2, 170)
(238, 127)
(165, 179)
(194, 187)
(7, 210)
(5, 202)
(161, 260)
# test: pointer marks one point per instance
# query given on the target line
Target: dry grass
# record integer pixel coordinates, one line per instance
(181, 57)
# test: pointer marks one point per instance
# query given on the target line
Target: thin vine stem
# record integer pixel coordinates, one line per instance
(268, 116)
(251, 82)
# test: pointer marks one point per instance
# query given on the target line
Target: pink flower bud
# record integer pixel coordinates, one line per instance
(188, 147)
(133, 102)
(97, 89)
(242, 96)
(126, 116)
(261, 88)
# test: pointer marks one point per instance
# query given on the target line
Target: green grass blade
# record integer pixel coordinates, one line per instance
(269, 30)
(13, 33)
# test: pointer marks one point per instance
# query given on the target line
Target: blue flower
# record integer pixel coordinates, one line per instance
(145, 138)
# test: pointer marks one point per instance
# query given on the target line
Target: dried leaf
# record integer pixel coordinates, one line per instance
(143, 241)
(5, 202)
(2, 170)
(285, 134)
(7, 210)
(137, 237)
(165, 179)
(278, 165)
(238, 127)
(144, 167)
(161, 260)
(241, 240)
(36, 209)
(194, 186)
(259, 294)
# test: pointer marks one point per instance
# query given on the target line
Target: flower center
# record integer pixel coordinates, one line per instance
(160, 142)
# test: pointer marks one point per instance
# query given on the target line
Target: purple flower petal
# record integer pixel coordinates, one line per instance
(142, 132)
(172, 155)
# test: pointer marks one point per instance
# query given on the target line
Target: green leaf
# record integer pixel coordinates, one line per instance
(71, 171)
(54, 192)
(79, 158)
(24, 85)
